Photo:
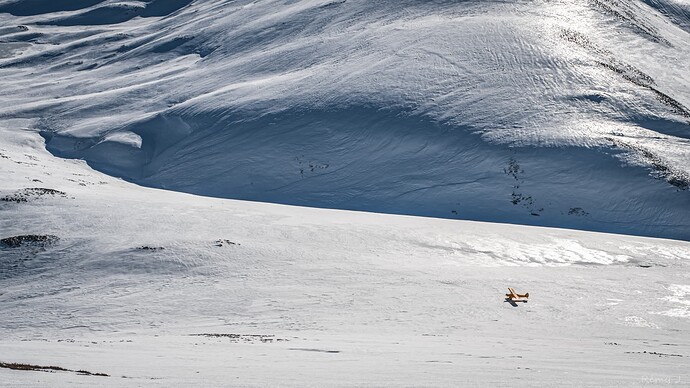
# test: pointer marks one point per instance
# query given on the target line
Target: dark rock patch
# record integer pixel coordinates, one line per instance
(577, 211)
(148, 248)
(25, 195)
(34, 240)
(225, 242)
(265, 338)
(657, 354)
(39, 368)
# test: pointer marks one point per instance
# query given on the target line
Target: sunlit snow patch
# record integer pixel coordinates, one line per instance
(635, 321)
(127, 138)
(555, 252)
(681, 296)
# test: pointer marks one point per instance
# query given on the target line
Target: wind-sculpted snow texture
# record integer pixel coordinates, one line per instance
(556, 113)
(571, 114)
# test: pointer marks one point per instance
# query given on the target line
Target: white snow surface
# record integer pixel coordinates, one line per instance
(317, 297)
(555, 113)
(494, 111)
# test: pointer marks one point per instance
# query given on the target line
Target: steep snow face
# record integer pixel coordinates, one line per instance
(569, 113)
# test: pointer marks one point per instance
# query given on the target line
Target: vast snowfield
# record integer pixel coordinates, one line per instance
(549, 139)
(343, 298)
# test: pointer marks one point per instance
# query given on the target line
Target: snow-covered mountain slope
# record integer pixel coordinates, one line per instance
(158, 288)
(556, 113)
(569, 113)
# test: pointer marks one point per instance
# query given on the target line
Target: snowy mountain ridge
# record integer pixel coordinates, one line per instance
(508, 112)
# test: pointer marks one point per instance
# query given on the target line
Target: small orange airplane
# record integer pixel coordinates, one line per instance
(515, 297)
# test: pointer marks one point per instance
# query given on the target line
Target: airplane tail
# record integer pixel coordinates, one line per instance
(514, 294)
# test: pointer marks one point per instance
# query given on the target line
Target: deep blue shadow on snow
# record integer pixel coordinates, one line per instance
(40, 7)
(390, 162)
(92, 15)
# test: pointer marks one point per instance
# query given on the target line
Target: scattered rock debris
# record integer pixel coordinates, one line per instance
(27, 194)
(39, 368)
(309, 166)
(516, 197)
(224, 242)
(513, 169)
(577, 211)
(148, 248)
(657, 354)
(35, 240)
(236, 338)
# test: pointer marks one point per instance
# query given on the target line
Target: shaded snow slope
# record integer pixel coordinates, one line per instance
(127, 278)
(556, 113)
